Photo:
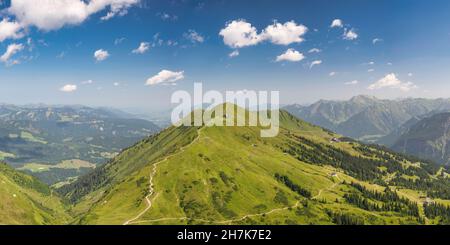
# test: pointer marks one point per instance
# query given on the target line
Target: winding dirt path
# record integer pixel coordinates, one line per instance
(329, 188)
(151, 185)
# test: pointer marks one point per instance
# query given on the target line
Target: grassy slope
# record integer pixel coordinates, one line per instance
(224, 175)
(25, 200)
(129, 162)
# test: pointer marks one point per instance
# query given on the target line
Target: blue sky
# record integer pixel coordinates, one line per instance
(402, 49)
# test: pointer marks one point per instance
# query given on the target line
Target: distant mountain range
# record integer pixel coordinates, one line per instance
(57, 143)
(385, 122)
(428, 138)
(365, 117)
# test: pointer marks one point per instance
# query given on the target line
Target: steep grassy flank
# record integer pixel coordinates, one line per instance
(230, 175)
(26, 200)
(92, 186)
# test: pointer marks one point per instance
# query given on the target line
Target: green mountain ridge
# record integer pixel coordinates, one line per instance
(230, 175)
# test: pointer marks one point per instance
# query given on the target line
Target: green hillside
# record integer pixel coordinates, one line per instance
(230, 175)
(26, 200)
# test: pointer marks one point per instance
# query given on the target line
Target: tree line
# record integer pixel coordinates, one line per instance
(390, 201)
(291, 185)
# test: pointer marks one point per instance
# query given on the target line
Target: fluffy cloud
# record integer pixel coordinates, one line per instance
(50, 15)
(233, 54)
(165, 76)
(354, 82)
(143, 47)
(117, 7)
(68, 88)
(336, 23)
(331, 74)
(314, 63)
(101, 55)
(10, 30)
(350, 35)
(391, 81)
(290, 55)
(10, 51)
(239, 33)
(193, 36)
(284, 34)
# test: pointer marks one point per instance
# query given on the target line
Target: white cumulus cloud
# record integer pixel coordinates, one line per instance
(350, 34)
(290, 55)
(391, 81)
(68, 88)
(284, 34)
(10, 29)
(240, 33)
(336, 23)
(165, 76)
(101, 55)
(143, 47)
(50, 15)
